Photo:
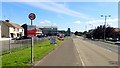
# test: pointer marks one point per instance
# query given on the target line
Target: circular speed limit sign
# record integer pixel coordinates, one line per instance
(32, 16)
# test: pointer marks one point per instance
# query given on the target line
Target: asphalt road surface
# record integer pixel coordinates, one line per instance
(108, 46)
(64, 55)
(79, 52)
(93, 55)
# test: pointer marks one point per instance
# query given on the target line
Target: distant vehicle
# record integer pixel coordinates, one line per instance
(61, 38)
(40, 36)
(23, 37)
(118, 43)
(112, 39)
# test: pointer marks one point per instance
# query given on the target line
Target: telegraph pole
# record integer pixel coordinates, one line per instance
(105, 24)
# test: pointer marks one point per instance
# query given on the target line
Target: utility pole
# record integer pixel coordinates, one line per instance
(91, 31)
(105, 24)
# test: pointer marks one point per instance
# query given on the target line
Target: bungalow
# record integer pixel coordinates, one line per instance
(11, 30)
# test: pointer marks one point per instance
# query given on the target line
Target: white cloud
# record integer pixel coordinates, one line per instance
(102, 21)
(58, 8)
(45, 22)
(60, 0)
(77, 22)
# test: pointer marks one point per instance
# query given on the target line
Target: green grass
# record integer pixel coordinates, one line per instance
(22, 57)
(110, 42)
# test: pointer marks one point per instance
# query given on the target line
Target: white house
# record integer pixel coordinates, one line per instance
(0, 31)
(11, 30)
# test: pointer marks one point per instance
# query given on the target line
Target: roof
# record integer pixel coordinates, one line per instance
(117, 29)
(12, 25)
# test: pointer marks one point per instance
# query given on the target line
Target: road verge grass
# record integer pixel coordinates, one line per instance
(109, 42)
(22, 57)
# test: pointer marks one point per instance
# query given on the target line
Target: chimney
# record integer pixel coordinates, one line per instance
(7, 20)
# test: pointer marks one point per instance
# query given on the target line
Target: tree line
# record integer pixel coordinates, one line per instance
(98, 33)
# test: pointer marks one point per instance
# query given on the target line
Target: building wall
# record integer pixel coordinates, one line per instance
(4, 30)
(16, 31)
(0, 31)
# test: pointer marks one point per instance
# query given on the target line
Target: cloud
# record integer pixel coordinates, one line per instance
(60, 0)
(45, 22)
(77, 22)
(58, 8)
(102, 21)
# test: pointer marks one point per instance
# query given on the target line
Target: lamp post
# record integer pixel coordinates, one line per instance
(105, 16)
(91, 31)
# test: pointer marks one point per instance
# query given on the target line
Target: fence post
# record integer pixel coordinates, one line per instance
(21, 44)
(9, 46)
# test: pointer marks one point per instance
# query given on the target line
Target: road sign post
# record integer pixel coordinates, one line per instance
(32, 16)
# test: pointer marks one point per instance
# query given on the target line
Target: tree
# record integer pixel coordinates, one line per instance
(110, 32)
(76, 33)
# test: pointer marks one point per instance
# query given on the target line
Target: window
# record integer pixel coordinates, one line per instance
(14, 29)
(17, 29)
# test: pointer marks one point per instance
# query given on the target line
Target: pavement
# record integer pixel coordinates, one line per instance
(64, 55)
(79, 52)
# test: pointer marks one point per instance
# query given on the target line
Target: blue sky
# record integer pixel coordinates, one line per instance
(76, 15)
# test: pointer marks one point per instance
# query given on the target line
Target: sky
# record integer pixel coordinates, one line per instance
(79, 16)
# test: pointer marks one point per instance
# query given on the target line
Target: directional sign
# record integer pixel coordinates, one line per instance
(32, 16)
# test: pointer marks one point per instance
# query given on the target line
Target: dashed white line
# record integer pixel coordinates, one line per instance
(80, 57)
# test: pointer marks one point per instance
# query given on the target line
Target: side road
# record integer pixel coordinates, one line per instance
(64, 55)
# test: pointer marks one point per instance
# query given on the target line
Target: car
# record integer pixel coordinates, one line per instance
(118, 42)
(112, 39)
(61, 38)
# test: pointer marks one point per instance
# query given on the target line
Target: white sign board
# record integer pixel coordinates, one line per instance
(53, 39)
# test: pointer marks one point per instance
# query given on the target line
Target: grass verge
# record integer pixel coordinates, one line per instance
(22, 57)
(110, 42)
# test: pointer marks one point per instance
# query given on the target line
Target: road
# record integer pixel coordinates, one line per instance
(108, 46)
(79, 52)
(93, 55)
(64, 55)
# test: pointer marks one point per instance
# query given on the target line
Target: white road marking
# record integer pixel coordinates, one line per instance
(80, 57)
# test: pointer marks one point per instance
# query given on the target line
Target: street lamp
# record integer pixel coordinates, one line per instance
(91, 31)
(105, 23)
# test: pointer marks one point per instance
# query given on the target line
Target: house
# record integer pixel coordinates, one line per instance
(117, 29)
(0, 30)
(11, 30)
